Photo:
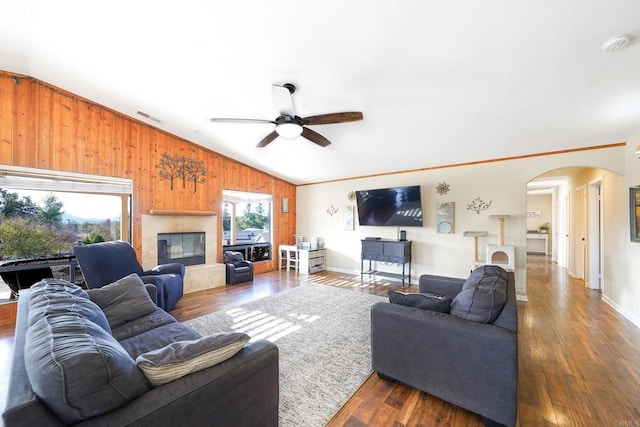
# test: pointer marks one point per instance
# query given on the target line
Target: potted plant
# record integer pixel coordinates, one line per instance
(544, 228)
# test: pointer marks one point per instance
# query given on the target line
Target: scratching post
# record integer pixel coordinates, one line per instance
(500, 231)
(475, 234)
(501, 254)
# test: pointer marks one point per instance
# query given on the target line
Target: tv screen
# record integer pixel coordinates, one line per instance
(398, 206)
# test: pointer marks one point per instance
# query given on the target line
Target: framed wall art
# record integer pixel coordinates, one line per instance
(445, 217)
(634, 213)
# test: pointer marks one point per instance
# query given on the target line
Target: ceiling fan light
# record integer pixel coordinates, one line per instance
(289, 130)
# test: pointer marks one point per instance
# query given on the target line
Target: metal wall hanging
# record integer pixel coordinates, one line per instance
(181, 168)
(478, 205)
(442, 188)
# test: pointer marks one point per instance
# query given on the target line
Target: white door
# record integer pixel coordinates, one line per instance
(595, 224)
(563, 232)
(580, 235)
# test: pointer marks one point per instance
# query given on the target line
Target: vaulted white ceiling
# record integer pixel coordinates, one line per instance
(439, 82)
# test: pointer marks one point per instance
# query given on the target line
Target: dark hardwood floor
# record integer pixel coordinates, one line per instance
(579, 360)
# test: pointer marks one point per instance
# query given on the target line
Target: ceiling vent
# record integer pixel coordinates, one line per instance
(147, 116)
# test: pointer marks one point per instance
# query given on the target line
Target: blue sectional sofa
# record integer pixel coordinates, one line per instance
(87, 358)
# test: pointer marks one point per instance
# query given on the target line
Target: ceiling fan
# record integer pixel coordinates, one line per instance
(289, 125)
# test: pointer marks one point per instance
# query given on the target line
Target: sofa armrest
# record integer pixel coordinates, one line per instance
(441, 285)
(244, 263)
(171, 268)
(472, 365)
(153, 292)
(243, 390)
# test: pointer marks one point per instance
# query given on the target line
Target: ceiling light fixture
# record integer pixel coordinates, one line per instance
(637, 152)
(289, 130)
(616, 43)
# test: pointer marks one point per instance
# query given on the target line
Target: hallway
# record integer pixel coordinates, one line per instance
(579, 359)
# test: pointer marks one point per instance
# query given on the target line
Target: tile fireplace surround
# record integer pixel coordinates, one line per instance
(197, 277)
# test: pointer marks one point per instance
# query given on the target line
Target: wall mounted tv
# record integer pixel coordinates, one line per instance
(398, 206)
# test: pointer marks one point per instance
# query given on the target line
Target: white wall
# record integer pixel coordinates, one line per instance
(622, 257)
(501, 182)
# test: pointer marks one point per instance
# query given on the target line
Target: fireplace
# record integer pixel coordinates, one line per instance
(206, 275)
(187, 248)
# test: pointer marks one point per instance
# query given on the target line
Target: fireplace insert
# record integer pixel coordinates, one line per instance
(185, 248)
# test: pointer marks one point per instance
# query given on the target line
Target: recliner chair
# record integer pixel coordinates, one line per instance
(238, 269)
(105, 262)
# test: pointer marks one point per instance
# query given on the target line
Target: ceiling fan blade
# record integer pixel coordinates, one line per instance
(232, 120)
(267, 139)
(315, 137)
(283, 100)
(325, 119)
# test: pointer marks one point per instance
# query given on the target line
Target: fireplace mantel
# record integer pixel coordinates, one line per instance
(177, 213)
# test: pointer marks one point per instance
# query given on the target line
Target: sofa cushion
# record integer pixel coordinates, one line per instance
(184, 357)
(77, 369)
(143, 324)
(156, 338)
(56, 285)
(483, 295)
(425, 301)
(124, 300)
(44, 303)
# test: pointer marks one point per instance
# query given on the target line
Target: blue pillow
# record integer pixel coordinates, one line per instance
(122, 301)
(425, 301)
(483, 295)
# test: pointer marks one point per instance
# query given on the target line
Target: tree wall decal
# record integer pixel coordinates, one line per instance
(172, 168)
(196, 172)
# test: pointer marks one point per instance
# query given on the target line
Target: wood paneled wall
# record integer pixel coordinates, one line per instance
(42, 126)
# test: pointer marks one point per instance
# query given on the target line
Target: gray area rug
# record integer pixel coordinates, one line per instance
(324, 338)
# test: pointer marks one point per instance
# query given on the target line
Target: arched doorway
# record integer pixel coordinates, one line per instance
(570, 200)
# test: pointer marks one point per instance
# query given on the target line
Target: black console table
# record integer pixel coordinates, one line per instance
(387, 251)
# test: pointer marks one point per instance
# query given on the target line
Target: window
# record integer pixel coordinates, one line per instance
(44, 213)
(247, 223)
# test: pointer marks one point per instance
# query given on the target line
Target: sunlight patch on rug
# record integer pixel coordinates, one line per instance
(324, 338)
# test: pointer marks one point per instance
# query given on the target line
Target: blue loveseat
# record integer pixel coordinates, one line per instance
(465, 353)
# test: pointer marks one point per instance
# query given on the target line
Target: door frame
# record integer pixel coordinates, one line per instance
(595, 227)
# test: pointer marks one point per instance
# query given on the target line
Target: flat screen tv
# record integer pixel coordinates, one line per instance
(398, 206)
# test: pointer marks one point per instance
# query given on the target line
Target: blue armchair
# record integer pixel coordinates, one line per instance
(106, 262)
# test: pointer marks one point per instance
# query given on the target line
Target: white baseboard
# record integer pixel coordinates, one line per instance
(343, 271)
(629, 316)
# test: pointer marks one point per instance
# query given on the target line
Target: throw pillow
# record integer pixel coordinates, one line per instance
(479, 273)
(184, 357)
(123, 301)
(482, 299)
(78, 369)
(425, 301)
